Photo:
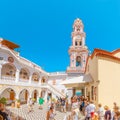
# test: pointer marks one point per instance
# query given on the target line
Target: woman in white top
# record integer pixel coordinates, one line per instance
(100, 112)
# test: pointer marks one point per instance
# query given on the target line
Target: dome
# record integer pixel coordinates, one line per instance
(77, 23)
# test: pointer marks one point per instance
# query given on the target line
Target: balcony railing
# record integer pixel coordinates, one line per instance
(8, 78)
(24, 80)
(36, 82)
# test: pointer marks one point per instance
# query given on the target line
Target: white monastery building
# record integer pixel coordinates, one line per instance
(91, 75)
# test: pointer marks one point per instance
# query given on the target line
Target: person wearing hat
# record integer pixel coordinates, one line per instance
(107, 115)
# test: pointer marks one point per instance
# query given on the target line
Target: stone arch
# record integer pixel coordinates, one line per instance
(6, 87)
(43, 80)
(43, 91)
(24, 95)
(24, 73)
(8, 70)
(8, 93)
(35, 76)
(78, 61)
(35, 94)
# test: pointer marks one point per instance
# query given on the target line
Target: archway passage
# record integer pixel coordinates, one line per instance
(42, 93)
(8, 70)
(24, 74)
(23, 96)
(49, 96)
(9, 94)
(35, 77)
(35, 95)
(43, 80)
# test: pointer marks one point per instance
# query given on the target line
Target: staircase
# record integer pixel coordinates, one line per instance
(55, 91)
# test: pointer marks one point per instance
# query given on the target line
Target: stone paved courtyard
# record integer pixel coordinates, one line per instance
(37, 114)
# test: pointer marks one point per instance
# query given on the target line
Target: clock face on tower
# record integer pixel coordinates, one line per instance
(78, 37)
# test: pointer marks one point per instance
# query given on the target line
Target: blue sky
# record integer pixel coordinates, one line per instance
(43, 28)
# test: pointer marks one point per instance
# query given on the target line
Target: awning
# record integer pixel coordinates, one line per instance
(77, 81)
(74, 80)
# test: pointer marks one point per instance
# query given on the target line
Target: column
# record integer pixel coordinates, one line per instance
(83, 41)
(30, 79)
(40, 80)
(30, 96)
(17, 75)
(17, 96)
(85, 91)
(45, 97)
(0, 71)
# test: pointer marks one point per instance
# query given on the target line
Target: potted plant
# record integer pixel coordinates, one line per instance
(53, 100)
(3, 102)
(33, 99)
(13, 104)
(18, 103)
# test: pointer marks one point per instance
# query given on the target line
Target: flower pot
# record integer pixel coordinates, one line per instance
(18, 104)
(12, 105)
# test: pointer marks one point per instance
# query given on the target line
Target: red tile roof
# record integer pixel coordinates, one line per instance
(103, 53)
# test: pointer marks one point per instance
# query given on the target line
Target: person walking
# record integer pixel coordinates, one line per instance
(107, 115)
(30, 105)
(50, 114)
(41, 101)
(100, 112)
(63, 105)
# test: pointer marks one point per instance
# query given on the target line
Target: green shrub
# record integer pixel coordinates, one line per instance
(3, 100)
(18, 100)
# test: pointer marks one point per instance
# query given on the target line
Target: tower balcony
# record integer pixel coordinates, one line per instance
(75, 70)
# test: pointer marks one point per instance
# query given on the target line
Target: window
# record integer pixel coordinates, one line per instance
(78, 61)
(80, 43)
(92, 92)
(76, 43)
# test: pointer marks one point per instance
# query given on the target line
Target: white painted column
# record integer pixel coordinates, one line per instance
(30, 95)
(39, 93)
(40, 80)
(85, 91)
(83, 41)
(45, 97)
(17, 96)
(0, 71)
(74, 60)
(30, 79)
(17, 75)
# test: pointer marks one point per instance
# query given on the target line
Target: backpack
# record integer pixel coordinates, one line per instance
(63, 103)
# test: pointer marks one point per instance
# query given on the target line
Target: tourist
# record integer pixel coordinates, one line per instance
(115, 112)
(95, 116)
(3, 114)
(100, 112)
(63, 105)
(75, 103)
(48, 98)
(41, 101)
(107, 115)
(82, 103)
(92, 109)
(50, 114)
(30, 105)
(87, 111)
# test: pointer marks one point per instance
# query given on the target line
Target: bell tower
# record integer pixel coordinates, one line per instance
(78, 51)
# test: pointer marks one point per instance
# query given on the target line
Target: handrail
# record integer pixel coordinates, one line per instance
(8, 77)
(25, 82)
(56, 90)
